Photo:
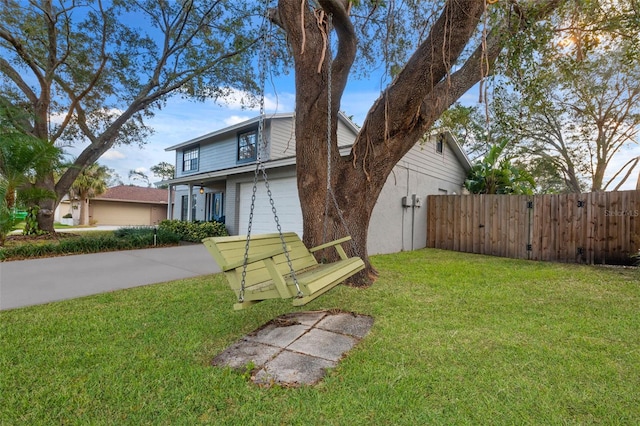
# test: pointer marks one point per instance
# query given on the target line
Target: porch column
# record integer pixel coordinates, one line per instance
(169, 206)
(189, 202)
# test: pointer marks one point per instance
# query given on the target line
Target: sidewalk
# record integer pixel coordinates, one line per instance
(38, 281)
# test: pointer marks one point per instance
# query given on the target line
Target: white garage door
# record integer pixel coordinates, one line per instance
(285, 198)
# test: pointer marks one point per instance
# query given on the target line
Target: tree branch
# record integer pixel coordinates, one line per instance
(15, 76)
(347, 46)
(24, 55)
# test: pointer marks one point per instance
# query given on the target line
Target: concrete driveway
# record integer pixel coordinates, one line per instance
(38, 281)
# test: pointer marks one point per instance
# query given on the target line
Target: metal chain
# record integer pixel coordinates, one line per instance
(246, 246)
(262, 65)
(329, 112)
(261, 146)
(284, 244)
(330, 192)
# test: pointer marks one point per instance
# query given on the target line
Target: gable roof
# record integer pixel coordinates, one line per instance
(135, 194)
(253, 121)
(458, 151)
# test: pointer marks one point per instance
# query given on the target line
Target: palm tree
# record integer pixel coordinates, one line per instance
(496, 175)
(22, 158)
(91, 182)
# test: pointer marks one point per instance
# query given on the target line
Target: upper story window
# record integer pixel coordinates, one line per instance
(247, 146)
(440, 144)
(190, 159)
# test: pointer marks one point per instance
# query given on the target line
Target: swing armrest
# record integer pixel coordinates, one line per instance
(254, 258)
(335, 244)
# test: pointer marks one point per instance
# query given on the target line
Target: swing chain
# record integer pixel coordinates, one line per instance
(329, 110)
(261, 145)
(329, 192)
(284, 244)
(262, 61)
(246, 246)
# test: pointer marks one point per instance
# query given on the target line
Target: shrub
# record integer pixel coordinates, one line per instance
(67, 216)
(194, 231)
(145, 234)
(122, 239)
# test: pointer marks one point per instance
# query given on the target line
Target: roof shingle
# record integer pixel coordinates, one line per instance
(135, 193)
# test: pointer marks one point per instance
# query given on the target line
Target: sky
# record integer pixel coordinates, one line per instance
(182, 120)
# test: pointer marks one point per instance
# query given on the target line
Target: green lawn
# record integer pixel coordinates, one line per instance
(457, 339)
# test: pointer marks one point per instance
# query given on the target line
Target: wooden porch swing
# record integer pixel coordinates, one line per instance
(279, 265)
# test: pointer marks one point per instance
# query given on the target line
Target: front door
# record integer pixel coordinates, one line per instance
(215, 206)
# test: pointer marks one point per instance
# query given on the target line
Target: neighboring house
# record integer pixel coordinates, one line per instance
(123, 205)
(215, 172)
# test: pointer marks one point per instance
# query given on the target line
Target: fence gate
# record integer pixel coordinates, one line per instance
(598, 227)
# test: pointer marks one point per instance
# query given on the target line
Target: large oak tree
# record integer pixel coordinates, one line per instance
(452, 46)
(91, 71)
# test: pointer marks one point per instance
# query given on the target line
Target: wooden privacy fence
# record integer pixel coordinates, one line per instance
(598, 227)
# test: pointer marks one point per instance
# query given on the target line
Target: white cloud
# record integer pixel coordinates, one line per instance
(112, 154)
(235, 119)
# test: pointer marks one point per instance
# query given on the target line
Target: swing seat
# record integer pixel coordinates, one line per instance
(268, 275)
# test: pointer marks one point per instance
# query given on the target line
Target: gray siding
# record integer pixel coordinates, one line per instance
(393, 227)
(218, 155)
(443, 166)
(422, 171)
(345, 134)
(283, 138)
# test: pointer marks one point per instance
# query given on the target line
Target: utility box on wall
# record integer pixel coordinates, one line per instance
(413, 201)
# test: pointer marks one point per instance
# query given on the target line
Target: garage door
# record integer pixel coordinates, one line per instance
(285, 198)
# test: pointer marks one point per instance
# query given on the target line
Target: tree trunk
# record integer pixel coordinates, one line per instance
(416, 98)
(84, 209)
(47, 205)
(394, 124)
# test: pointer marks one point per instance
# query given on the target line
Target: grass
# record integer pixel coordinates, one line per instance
(457, 339)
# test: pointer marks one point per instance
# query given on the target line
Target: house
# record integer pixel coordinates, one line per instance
(124, 205)
(215, 172)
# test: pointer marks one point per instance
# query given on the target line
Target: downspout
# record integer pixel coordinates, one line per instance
(413, 219)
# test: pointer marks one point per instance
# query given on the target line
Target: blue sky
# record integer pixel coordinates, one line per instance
(182, 120)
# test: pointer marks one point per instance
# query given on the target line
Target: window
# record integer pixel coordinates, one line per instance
(247, 146)
(183, 207)
(190, 159)
(440, 144)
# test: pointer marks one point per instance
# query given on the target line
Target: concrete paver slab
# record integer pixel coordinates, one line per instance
(298, 352)
(245, 352)
(275, 335)
(323, 344)
(347, 323)
(293, 369)
(309, 318)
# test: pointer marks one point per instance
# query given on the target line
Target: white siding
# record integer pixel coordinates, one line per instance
(283, 138)
(345, 134)
(235, 219)
(286, 202)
